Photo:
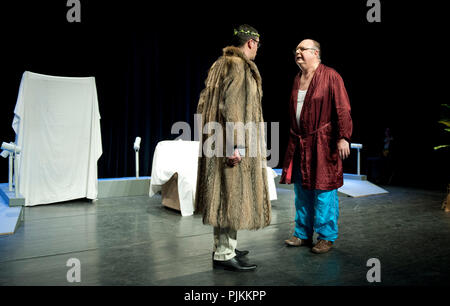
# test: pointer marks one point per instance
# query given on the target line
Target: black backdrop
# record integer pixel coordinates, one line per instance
(150, 61)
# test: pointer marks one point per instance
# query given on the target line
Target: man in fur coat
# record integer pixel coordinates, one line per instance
(232, 190)
(321, 127)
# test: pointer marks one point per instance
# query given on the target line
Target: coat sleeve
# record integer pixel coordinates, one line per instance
(201, 101)
(233, 104)
(342, 104)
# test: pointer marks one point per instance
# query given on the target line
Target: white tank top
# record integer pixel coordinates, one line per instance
(300, 99)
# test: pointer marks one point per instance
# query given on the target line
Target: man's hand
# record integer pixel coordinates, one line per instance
(234, 159)
(343, 148)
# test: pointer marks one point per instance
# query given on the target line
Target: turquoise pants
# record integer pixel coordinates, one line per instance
(316, 210)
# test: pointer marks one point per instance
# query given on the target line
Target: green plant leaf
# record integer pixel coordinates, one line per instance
(442, 146)
(445, 122)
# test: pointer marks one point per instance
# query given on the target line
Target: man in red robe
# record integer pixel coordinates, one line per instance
(320, 131)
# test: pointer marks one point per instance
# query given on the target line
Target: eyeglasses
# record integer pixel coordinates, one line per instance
(257, 41)
(302, 49)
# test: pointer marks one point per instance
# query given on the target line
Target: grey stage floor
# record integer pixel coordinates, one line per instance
(136, 241)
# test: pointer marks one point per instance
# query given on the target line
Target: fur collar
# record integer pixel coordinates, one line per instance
(235, 51)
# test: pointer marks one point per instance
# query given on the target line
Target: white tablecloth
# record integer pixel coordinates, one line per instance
(182, 157)
(57, 125)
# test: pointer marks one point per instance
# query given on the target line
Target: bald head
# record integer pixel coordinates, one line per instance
(311, 43)
(307, 54)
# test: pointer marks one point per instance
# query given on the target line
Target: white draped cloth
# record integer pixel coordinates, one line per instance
(57, 125)
(180, 156)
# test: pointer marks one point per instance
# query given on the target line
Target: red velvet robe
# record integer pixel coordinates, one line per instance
(324, 119)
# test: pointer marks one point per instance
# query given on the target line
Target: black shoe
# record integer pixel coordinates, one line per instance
(240, 253)
(233, 264)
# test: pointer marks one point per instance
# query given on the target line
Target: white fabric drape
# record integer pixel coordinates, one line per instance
(57, 125)
(182, 157)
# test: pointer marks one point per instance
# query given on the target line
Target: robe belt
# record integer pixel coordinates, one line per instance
(299, 137)
(293, 133)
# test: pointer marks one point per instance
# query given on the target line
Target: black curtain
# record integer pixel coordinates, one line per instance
(150, 63)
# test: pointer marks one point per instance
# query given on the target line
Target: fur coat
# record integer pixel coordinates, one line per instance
(232, 197)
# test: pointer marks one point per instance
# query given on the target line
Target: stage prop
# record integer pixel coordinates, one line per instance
(179, 157)
(12, 151)
(10, 216)
(174, 174)
(136, 147)
(57, 125)
(11, 211)
(123, 187)
(356, 185)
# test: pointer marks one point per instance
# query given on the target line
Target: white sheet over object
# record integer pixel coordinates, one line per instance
(57, 124)
(182, 157)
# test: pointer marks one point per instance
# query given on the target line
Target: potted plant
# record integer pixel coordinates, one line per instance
(446, 123)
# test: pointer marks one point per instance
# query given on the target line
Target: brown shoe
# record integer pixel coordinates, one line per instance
(322, 246)
(295, 241)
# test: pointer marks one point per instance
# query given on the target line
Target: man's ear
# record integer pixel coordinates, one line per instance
(249, 44)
